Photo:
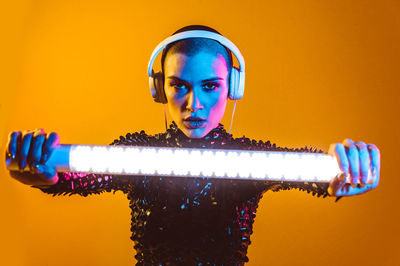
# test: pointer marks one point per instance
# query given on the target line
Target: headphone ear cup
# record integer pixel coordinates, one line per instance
(151, 86)
(156, 83)
(234, 84)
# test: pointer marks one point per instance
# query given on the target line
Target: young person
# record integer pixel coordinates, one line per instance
(191, 221)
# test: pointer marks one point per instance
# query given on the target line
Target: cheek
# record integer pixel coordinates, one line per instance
(172, 105)
(218, 108)
(174, 109)
(173, 101)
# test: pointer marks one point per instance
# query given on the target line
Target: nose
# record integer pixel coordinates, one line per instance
(193, 102)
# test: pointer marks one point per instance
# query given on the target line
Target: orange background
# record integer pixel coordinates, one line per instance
(317, 72)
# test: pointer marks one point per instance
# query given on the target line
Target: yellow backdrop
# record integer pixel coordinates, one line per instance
(317, 72)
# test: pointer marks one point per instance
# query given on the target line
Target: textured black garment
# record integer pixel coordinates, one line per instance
(187, 221)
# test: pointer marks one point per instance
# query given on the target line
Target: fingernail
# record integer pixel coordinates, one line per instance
(10, 155)
(347, 177)
(39, 168)
(34, 168)
(45, 157)
(373, 171)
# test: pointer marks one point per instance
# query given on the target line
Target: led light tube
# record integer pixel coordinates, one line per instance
(188, 162)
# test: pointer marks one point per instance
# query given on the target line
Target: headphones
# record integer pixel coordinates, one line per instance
(236, 79)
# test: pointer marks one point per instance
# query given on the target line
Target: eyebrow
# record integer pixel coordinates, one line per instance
(204, 80)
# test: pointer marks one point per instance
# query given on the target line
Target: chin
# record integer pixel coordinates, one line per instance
(195, 133)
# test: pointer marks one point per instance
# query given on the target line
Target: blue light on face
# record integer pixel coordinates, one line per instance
(196, 88)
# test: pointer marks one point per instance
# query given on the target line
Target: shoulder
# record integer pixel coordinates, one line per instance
(246, 143)
(138, 139)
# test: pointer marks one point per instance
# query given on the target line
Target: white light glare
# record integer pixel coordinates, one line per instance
(234, 164)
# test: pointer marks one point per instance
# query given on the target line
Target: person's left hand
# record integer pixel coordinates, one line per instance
(360, 164)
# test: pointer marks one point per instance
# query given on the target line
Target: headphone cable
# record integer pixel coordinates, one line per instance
(165, 118)
(233, 112)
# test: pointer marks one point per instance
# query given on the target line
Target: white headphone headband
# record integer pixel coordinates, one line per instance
(197, 34)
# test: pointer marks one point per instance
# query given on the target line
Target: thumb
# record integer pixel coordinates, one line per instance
(336, 184)
(48, 173)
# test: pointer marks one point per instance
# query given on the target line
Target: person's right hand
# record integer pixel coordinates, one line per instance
(31, 150)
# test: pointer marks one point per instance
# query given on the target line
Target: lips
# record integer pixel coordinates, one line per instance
(192, 122)
(193, 118)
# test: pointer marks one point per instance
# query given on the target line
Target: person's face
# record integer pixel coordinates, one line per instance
(196, 88)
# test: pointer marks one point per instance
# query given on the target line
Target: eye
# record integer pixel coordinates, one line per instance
(179, 86)
(211, 86)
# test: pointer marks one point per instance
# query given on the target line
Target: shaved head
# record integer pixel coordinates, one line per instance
(192, 46)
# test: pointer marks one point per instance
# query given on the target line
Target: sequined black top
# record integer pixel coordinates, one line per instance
(187, 221)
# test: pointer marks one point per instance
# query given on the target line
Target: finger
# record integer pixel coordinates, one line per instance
(25, 146)
(13, 144)
(338, 150)
(364, 162)
(19, 146)
(336, 184)
(354, 161)
(35, 153)
(375, 158)
(39, 131)
(48, 173)
(52, 141)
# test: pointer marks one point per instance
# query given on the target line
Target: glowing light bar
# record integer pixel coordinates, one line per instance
(183, 162)
(231, 164)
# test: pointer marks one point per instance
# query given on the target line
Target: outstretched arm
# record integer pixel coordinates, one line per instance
(82, 184)
(32, 149)
(355, 160)
(315, 188)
